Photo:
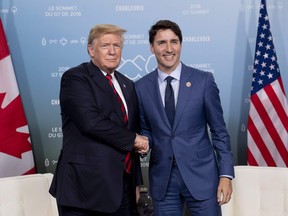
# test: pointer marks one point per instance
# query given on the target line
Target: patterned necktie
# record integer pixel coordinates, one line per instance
(128, 158)
(169, 101)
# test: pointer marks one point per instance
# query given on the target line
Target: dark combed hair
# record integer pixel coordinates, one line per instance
(164, 25)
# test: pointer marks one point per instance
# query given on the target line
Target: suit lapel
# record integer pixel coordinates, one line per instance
(125, 91)
(185, 89)
(100, 80)
(98, 77)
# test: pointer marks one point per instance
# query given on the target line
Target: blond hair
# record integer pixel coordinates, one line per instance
(102, 29)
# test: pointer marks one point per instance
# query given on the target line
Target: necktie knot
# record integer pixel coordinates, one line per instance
(109, 77)
(169, 79)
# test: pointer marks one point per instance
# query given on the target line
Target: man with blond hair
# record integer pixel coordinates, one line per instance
(99, 167)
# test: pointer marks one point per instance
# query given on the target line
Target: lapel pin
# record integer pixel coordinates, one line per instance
(124, 85)
(188, 84)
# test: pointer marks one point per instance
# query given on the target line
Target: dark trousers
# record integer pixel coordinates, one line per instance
(125, 209)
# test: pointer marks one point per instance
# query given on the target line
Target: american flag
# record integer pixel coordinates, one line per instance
(268, 120)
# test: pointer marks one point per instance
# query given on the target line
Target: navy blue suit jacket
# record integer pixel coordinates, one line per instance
(200, 160)
(89, 173)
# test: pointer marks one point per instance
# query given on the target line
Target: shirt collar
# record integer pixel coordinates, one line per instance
(175, 74)
(112, 74)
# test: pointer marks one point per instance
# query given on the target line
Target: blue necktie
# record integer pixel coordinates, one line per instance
(169, 101)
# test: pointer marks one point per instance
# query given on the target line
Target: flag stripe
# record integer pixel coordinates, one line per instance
(257, 121)
(254, 132)
(279, 102)
(270, 125)
(282, 88)
(252, 161)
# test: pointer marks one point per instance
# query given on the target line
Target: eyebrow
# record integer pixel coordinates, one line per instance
(172, 40)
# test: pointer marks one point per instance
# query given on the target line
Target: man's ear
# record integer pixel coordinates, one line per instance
(152, 48)
(90, 50)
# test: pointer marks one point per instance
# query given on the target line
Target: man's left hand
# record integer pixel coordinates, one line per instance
(224, 191)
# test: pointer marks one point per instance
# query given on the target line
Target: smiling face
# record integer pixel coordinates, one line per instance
(105, 52)
(167, 50)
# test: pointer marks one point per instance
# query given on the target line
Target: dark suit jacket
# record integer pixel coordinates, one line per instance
(198, 110)
(90, 168)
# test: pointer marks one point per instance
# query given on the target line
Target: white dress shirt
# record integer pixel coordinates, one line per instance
(118, 89)
(175, 83)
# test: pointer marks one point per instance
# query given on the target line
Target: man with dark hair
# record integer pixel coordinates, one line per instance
(178, 107)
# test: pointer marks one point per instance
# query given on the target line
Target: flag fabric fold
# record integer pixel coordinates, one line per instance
(16, 156)
(267, 135)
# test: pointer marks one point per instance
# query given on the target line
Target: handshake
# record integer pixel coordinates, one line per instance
(141, 144)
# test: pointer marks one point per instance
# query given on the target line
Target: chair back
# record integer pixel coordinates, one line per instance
(27, 195)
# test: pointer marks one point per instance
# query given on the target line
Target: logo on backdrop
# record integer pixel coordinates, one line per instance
(12, 10)
(63, 41)
(138, 67)
(63, 11)
(255, 6)
(129, 8)
(56, 132)
(195, 9)
(48, 163)
(59, 72)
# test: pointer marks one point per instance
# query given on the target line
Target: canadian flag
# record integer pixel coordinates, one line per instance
(16, 156)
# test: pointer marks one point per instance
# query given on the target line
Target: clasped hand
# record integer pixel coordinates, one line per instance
(141, 144)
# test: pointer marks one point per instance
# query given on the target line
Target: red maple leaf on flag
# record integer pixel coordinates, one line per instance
(12, 117)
